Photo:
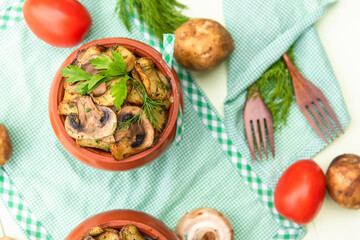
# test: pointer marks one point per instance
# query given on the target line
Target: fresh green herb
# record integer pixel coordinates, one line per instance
(125, 125)
(150, 107)
(97, 141)
(75, 74)
(88, 110)
(119, 91)
(111, 69)
(275, 87)
(162, 16)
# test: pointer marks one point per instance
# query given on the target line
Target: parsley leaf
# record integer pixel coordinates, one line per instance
(75, 74)
(117, 67)
(102, 62)
(119, 91)
(94, 80)
(82, 88)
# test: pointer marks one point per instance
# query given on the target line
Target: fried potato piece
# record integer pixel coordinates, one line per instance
(93, 143)
(122, 149)
(129, 57)
(70, 96)
(134, 96)
(161, 119)
(130, 232)
(94, 231)
(155, 88)
(68, 108)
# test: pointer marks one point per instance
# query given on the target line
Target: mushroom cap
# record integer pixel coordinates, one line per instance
(204, 223)
(141, 133)
(137, 138)
(92, 123)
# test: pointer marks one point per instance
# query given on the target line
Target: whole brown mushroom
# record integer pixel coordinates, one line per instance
(5, 146)
(343, 180)
(202, 44)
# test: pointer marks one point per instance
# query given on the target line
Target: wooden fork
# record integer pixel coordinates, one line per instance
(257, 116)
(309, 98)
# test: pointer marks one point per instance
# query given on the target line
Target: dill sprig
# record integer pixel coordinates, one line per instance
(162, 16)
(150, 108)
(275, 87)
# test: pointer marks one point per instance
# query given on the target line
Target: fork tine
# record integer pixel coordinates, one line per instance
(312, 122)
(318, 119)
(257, 137)
(249, 137)
(324, 116)
(263, 135)
(331, 112)
(270, 128)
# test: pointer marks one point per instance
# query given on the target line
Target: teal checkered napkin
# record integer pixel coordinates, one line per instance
(263, 31)
(48, 192)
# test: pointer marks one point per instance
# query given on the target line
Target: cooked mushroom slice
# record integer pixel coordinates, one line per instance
(138, 137)
(129, 57)
(155, 88)
(204, 223)
(99, 90)
(106, 99)
(130, 232)
(67, 108)
(91, 123)
(108, 236)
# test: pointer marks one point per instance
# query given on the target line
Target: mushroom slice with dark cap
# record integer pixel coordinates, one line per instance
(204, 223)
(138, 137)
(92, 122)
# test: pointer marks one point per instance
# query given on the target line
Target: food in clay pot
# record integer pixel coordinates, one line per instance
(114, 101)
(343, 181)
(204, 223)
(129, 232)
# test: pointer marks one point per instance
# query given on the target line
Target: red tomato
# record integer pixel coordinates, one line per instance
(61, 23)
(300, 191)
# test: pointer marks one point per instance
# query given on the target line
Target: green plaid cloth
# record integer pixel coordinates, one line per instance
(49, 192)
(263, 31)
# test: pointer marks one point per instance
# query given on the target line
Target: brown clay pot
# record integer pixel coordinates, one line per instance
(146, 224)
(100, 159)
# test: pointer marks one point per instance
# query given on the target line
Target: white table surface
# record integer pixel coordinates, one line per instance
(339, 31)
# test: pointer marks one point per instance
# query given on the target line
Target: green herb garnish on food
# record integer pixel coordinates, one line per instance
(150, 107)
(110, 69)
(275, 87)
(119, 91)
(162, 16)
